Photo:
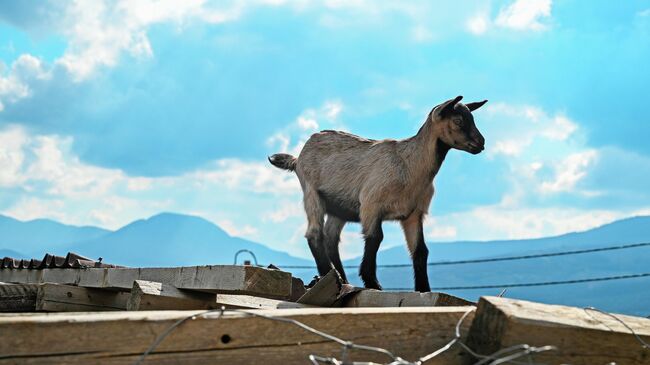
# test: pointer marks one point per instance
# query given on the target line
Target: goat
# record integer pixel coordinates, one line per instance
(353, 179)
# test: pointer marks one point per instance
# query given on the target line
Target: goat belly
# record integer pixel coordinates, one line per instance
(340, 207)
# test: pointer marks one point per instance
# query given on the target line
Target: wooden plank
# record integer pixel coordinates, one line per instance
(218, 278)
(150, 295)
(377, 298)
(582, 337)
(68, 298)
(250, 302)
(232, 338)
(325, 292)
(18, 297)
(297, 289)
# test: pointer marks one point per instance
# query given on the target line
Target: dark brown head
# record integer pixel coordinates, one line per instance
(455, 123)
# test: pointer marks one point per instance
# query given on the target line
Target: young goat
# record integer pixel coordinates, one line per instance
(353, 179)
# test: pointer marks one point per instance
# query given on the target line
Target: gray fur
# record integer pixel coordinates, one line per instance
(350, 178)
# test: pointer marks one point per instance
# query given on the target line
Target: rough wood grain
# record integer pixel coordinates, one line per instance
(18, 297)
(325, 292)
(219, 278)
(377, 298)
(234, 338)
(150, 295)
(583, 337)
(297, 289)
(68, 298)
(250, 302)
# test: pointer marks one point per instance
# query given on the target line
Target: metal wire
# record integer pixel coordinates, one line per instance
(543, 283)
(494, 259)
(505, 355)
(346, 345)
(644, 344)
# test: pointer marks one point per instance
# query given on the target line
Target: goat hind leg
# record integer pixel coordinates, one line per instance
(315, 215)
(333, 227)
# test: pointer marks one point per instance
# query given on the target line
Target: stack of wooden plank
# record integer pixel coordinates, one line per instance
(184, 288)
(116, 314)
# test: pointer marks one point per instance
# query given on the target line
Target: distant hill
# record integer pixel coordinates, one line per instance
(169, 239)
(32, 237)
(11, 253)
(629, 230)
(628, 296)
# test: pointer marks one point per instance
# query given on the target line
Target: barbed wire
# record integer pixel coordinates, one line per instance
(509, 354)
(543, 283)
(493, 259)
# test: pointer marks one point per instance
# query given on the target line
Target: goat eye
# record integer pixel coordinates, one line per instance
(458, 122)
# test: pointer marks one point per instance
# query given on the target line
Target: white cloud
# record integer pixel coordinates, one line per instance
(258, 177)
(139, 183)
(99, 32)
(286, 210)
(420, 33)
(433, 230)
(332, 109)
(351, 244)
(525, 15)
(14, 84)
(560, 128)
(569, 171)
(498, 222)
(44, 170)
(478, 24)
(525, 125)
(33, 208)
(67, 176)
(12, 141)
(237, 230)
(545, 153)
(308, 124)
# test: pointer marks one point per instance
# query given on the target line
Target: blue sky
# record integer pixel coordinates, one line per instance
(117, 110)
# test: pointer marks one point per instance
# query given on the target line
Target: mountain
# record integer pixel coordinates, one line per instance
(31, 238)
(175, 240)
(169, 239)
(11, 253)
(629, 230)
(627, 296)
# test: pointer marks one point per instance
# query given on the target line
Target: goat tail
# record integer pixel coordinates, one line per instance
(283, 161)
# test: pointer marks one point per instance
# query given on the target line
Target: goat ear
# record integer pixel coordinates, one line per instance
(447, 106)
(475, 105)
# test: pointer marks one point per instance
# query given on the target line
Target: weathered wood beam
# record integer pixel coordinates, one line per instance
(325, 292)
(297, 289)
(582, 336)
(150, 295)
(69, 298)
(18, 297)
(250, 302)
(377, 298)
(219, 278)
(232, 338)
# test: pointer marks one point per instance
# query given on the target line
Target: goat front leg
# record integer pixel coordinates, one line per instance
(373, 235)
(315, 210)
(414, 234)
(333, 227)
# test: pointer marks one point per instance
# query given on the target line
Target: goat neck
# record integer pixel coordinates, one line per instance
(427, 151)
